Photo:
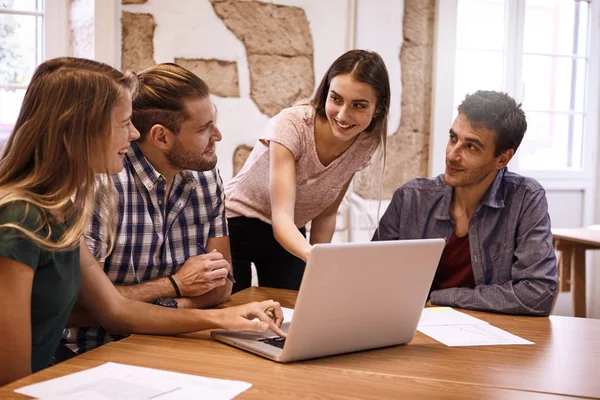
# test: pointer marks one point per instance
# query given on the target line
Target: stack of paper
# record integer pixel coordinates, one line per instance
(113, 381)
(454, 328)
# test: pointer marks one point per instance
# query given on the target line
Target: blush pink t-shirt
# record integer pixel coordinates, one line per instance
(317, 186)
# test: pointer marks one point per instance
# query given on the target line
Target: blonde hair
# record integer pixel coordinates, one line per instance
(59, 143)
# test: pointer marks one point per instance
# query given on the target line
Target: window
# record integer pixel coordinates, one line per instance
(538, 51)
(29, 34)
(554, 66)
(21, 50)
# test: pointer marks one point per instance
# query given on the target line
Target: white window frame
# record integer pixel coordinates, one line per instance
(443, 95)
(56, 29)
(55, 35)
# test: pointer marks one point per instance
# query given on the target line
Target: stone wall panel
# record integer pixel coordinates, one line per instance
(279, 48)
(220, 76)
(277, 82)
(137, 41)
(267, 28)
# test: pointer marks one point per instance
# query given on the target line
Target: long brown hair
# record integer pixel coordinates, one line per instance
(367, 67)
(60, 142)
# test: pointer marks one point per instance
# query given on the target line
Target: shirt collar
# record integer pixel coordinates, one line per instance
(142, 167)
(492, 198)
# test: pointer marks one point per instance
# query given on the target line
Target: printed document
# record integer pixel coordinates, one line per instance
(454, 328)
(112, 381)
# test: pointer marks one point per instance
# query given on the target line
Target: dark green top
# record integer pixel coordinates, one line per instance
(56, 279)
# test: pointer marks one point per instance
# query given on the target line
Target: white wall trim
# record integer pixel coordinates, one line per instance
(107, 32)
(56, 29)
(351, 25)
(593, 109)
(444, 55)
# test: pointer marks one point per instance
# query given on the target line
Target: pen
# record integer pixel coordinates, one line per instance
(203, 250)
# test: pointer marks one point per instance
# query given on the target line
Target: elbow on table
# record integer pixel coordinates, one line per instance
(543, 304)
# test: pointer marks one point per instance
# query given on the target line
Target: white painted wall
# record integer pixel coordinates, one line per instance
(190, 28)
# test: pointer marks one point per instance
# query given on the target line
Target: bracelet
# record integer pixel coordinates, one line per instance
(177, 292)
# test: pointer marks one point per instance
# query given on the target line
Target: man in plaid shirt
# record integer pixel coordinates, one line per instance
(171, 204)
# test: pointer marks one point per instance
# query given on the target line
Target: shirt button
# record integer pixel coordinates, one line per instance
(160, 202)
(160, 178)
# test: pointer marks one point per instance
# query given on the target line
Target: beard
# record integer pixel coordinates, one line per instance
(180, 158)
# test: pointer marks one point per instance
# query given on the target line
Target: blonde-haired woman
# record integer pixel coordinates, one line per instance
(75, 122)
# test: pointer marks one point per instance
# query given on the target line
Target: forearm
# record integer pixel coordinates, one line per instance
(322, 229)
(148, 291)
(290, 238)
(214, 297)
(132, 316)
(528, 297)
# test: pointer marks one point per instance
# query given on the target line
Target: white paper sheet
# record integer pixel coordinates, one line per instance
(471, 335)
(454, 328)
(288, 314)
(447, 316)
(112, 381)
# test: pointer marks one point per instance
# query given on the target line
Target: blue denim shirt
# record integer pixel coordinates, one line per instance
(512, 257)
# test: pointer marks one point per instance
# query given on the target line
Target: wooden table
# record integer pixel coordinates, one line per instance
(565, 361)
(572, 243)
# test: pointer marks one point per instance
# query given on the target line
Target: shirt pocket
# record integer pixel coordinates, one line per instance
(501, 256)
(208, 212)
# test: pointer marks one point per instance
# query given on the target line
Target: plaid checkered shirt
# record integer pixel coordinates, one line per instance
(153, 239)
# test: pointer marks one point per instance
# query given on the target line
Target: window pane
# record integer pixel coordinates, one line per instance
(552, 142)
(21, 5)
(10, 104)
(477, 70)
(480, 24)
(18, 51)
(548, 83)
(550, 27)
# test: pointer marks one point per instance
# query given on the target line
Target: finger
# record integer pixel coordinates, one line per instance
(273, 310)
(213, 255)
(216, 274)
(262, 316)
(252, 325)
(219, 282)
(222, 263)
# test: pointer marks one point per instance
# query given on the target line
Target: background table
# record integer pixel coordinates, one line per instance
(572, 243)
(564, 361)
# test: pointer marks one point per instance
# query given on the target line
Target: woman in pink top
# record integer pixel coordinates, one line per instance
(300, 169)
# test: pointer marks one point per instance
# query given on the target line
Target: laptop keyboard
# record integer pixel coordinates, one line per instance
(274, 341)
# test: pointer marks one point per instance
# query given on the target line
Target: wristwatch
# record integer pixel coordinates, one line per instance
(166, 302)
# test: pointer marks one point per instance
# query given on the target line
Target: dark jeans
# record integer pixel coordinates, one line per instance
(252, 241)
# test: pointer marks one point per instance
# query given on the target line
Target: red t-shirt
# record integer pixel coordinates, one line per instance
(454, 269)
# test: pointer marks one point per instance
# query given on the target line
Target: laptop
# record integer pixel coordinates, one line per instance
(353, 297)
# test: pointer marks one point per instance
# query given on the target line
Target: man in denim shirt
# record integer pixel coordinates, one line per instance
(498, 255)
